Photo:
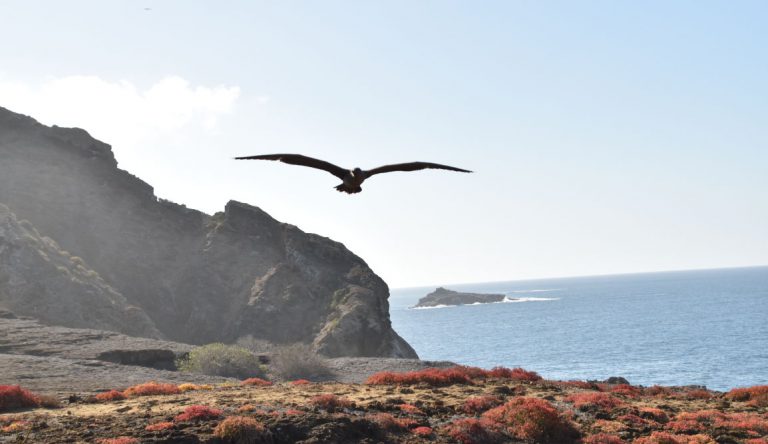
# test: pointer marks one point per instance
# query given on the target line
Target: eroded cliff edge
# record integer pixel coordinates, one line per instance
(198, 278)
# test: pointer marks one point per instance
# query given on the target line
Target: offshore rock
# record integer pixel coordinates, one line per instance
(443, 296)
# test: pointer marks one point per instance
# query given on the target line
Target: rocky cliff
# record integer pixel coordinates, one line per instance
(198, 278)
(443, 296)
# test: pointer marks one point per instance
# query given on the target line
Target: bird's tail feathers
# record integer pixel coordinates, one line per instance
(349, 190)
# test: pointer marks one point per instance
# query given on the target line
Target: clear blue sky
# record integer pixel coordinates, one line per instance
(606, 136)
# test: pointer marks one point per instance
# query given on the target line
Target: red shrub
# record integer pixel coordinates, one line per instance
(697, 394)
(747, 422)
(756, 395)
(242, 429)
(119, 440)
(412, 409)
(658, 391)
(151, 389)
(577, 384)
(256, 381)
(594, 401)
(653, 413)
(532, 419)
(472, 372)
(330, 402)
(430, 376)
(633, 420)
(294, 412)
(602, 438)
(422, 431)
(479, 404)
(246, 408)
(383, 378)
(300, 382)
(626, 390)
(474, 431)
(112, 395)
(703, 416)
(756, 441)
(517, 374)
(15, 397)
(686, 426)
(158, 426)
(390, 423)
(668, 438)
(198, 413)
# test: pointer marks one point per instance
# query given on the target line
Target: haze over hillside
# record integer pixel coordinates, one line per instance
(189, 276)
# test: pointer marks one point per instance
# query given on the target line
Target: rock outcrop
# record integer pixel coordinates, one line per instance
(443, 296)
(26, 336)
(198, 278)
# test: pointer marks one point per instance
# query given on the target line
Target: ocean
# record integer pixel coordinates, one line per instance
(707, 327)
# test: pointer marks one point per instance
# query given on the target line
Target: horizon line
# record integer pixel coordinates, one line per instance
(583, 276)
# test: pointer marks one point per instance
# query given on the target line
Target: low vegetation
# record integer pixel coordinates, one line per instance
(14, 397)
(159, 426)
(242, 429)
(112, 395)
(299, 361)
(222, 360)
(414, 407)
(756, 396)
(330, 402)
(151, 389)
(532, 419)
(452, 375)
(198, 413)
(256, 382)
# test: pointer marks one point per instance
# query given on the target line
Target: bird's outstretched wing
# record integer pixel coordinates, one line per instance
(412, 166)
(298, 159)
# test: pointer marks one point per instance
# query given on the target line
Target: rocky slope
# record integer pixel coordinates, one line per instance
(443, 296)
(39, 279)
(199, 278)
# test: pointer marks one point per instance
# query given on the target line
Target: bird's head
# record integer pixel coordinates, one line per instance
(357, 172)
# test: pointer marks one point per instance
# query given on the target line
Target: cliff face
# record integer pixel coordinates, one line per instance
(199, 278)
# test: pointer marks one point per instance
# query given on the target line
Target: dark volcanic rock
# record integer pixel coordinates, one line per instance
(66, 360)
(199, 278)
(443, 296)
(30, 337)
(52, 374)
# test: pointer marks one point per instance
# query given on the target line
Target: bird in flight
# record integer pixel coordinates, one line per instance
(352, 179)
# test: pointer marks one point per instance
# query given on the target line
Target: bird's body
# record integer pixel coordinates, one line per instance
(351, 179)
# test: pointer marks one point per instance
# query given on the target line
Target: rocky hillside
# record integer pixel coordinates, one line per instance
(38, 279)
(198, 278)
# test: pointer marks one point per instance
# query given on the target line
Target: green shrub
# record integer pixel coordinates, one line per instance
(221, 360)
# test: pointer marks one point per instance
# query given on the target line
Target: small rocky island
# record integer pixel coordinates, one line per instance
(443, 296)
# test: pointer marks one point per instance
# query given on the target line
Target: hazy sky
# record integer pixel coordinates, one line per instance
(606, 136)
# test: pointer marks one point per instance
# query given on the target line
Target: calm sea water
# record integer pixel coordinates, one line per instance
(674, 328)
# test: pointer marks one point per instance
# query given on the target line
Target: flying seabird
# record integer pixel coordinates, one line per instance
(352, 179)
